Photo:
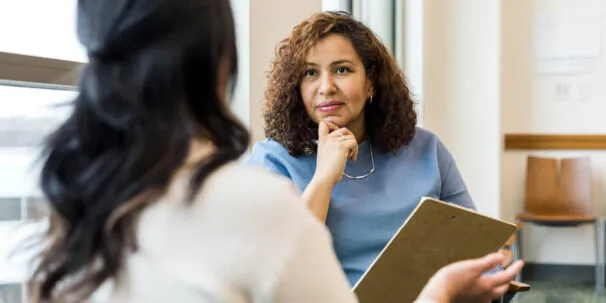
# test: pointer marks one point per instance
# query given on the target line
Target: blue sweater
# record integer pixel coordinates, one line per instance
(364, 214)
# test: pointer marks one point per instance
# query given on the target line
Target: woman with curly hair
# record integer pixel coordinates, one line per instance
(341, 125)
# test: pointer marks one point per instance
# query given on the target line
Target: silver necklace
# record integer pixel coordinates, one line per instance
(372, 170)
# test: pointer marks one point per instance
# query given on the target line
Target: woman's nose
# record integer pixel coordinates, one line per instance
(327, 85)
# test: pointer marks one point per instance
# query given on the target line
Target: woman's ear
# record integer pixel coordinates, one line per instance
(370, 91)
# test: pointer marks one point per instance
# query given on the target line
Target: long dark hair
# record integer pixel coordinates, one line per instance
(150, 88)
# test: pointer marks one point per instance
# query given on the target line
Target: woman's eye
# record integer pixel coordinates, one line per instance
(343, 70)
(310, 73)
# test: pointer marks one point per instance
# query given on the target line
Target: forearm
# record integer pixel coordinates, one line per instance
(435, 291)
(426, 297)
(317, 196)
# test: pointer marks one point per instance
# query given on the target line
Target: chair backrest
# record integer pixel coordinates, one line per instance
(558, 186)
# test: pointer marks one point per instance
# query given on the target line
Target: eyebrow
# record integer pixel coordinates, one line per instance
(333, 63)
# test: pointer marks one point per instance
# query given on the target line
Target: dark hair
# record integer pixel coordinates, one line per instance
(390, 118)
(151, 87)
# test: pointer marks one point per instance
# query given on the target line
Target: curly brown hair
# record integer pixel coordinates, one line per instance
(390, 118)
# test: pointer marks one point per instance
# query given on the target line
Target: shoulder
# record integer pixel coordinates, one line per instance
(273, 156)
(433, 141)
(427, 145)
(256, 198)
(424, 140)
(269, 147)
(255, 203)
(249, 185)
(268, 151)
(424, 134)
(236, 192)
(233, 199)
(243, 221)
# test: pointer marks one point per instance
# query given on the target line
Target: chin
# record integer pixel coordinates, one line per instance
(339, 121)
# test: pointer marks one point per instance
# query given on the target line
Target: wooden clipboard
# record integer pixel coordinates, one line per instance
(435, 234)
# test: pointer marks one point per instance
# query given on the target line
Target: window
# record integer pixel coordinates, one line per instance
(26, 116)
(28, 112)
(11, 293)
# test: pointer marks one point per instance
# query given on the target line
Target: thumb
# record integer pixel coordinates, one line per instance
(323, 130)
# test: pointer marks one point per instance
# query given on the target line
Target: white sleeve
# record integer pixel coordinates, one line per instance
(312, 272)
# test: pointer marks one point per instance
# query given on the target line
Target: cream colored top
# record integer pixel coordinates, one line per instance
(246, 237)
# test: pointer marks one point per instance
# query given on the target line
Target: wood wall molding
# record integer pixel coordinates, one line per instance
(554, 142)
(31, 69)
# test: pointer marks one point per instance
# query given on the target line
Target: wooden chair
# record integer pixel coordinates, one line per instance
(558, 194)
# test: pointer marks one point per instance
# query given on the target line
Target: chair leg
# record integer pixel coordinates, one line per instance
(517, 251)
(599, 256)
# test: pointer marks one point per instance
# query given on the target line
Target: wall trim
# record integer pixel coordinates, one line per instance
(554, 141)
(24, 70)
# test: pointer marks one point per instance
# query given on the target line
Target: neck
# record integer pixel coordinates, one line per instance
(358, 128)
(198, 150)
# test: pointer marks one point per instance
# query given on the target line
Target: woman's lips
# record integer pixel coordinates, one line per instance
(328, 107)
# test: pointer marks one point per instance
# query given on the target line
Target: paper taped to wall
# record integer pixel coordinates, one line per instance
(567, 42)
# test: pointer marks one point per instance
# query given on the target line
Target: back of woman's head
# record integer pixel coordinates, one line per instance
(153, 84)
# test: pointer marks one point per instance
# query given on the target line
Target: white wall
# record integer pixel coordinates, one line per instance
(409, 49)
(40, 28)
(529, 106)
(461, 90)
(240, 103)
(479, 83)
(265, 33)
